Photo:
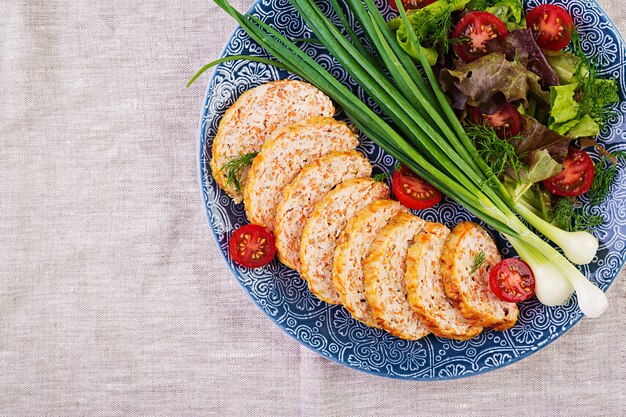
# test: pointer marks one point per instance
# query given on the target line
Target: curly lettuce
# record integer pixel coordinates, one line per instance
(483, 80)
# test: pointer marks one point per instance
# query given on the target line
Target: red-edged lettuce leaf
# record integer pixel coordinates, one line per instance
(485, 79)
(535, 137)
(526, 50)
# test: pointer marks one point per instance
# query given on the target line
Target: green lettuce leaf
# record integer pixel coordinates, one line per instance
(580, 106)
(511, 12)
(563, 106)
(586, 126)
(565, 113)
(541, 167)
(565, 64)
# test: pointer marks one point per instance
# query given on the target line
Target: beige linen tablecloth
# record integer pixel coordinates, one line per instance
(113, 297)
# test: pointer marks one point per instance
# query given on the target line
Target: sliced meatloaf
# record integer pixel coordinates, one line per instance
(470, 292)
(424, 284)
(307, 189)
(283, 156)
(322, 229)
(253, 118)
(383, 276)
(353, 246)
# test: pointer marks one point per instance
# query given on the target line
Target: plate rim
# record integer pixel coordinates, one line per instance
(202, 140)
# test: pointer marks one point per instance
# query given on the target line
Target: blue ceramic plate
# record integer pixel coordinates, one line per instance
(330, 330)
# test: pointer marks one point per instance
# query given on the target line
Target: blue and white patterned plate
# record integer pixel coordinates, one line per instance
(330, 330)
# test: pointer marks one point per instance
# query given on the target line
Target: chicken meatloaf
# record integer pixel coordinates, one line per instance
(383, 276)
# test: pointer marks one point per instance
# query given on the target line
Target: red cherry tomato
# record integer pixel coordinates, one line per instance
(551, 25)
(576, 177)
(412, 191)
(512, 280)
(475, 31)
(252, 246)
(506, 120)
(411, 4)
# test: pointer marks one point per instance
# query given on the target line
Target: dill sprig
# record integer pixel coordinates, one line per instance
(435, 30)
(571, 216)
(382, 177)
(597, 94)
(479, 260)
(603, 178)
(235, 167)
(498, 153)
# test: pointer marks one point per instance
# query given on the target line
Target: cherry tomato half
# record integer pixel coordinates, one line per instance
(252, 246)
(475, 30)
(506, 120)
(411, 4)
(412, 191)
(576, 177)
(551, 25)
(512, 280)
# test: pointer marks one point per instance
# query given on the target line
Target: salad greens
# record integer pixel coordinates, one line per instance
(541, 166)
(580, 106)
(534, 136)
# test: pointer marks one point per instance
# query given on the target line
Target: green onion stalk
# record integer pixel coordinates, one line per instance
(426, 135)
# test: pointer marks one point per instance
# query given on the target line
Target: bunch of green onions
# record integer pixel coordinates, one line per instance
(426, 135)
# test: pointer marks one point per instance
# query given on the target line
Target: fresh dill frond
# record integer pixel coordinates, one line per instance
(498, 153)
(596, 94)
(603, 178)
(587, 221)
(382, 177)
(479, 260)
(235, 167)
(435, 30)
(564, 213)
(571, 216)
